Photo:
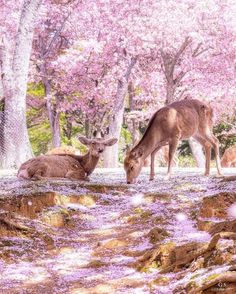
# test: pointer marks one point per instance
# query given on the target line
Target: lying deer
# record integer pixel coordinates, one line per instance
(229, 157)
(65, 165)
(170, 124)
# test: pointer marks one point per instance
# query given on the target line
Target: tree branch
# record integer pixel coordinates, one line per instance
(182, 48)
(197, 50)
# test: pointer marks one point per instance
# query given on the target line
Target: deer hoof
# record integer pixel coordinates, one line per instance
(167, 177)
(151, 178)
(219, 175)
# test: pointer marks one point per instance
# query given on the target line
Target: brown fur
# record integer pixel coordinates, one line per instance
(229, 157)
(170, 124)
(65, 165)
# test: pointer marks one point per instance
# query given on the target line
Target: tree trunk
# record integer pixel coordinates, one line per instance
(197, 152)
(170, 92)
(131, 92)
(17, 147)
(54, 119)
(87, 128)
(111, 153)
(53, 114)
(56, 136)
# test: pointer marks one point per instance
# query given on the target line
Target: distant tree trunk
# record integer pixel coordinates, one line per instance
(169, 63)
(52, 107)
(67, 128)
(131, 92)
(173, 81)
(111, 153)
(197, 152)
(133, 122)
(14, 71)
(87, 128)
(54, 119)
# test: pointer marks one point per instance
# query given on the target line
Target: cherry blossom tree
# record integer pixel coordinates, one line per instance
(88, 53)
(14, 71)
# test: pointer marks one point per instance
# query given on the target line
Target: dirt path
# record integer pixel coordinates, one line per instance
(108, 237)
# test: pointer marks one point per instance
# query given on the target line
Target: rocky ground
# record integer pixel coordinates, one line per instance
(104, 236)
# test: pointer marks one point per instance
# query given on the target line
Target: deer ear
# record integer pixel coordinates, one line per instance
(84, 140)
(110, 142)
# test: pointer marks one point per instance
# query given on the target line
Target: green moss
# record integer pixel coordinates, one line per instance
(194, 276)
(212, 277)
(36, 89)
(40, 137)
(146, 214)
(138, 210)
(186, 161)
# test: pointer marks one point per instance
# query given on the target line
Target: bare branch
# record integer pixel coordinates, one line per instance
(179, 77)
(130, 67)
(182, 93)
(167, 66)
(198, 51)
(182, 48)
(56, 35)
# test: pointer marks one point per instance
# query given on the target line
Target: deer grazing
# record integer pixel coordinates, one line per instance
(71, 166)
(229, 157)
(170, 124)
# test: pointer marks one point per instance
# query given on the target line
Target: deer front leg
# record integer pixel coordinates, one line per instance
(172, 149)
(152, 166)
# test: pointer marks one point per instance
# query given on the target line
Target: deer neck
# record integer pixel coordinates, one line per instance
(148, 143)
(89, 162)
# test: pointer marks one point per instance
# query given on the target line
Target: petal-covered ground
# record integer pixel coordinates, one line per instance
(104, 236)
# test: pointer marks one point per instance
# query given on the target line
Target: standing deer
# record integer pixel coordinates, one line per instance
(170, 124)
(65, 165)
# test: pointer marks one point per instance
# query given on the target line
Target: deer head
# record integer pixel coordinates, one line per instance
(133, 164)
(97, 146)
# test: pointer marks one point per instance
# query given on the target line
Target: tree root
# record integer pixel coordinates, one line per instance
(220, 280)
(171, 257)
(14, 226)
(228, 178)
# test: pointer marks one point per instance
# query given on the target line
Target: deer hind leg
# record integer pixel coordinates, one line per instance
(152, 166)
(207, 148)
(77, 175)
(173, 145)
(215, 143)
(37, 172)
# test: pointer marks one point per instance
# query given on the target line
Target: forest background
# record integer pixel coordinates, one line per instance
(102, 68)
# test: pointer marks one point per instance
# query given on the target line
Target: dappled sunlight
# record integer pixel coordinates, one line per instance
(24, 272)
(232, 210)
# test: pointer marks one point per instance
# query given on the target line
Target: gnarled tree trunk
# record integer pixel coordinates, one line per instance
(16, 146)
